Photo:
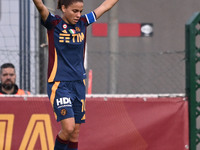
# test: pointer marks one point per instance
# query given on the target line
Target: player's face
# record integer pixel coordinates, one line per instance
(8, 77)
(72, 13)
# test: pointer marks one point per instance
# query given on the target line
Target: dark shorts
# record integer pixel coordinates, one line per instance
(68, 100)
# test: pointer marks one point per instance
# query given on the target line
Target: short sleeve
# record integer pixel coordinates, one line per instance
(51, 21)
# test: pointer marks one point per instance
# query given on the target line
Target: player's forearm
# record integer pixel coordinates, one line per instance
(108, 4)
(104, 7)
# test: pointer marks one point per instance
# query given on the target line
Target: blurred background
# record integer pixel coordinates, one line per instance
(136, 48)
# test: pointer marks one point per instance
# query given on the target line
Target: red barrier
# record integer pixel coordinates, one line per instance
(111, 124)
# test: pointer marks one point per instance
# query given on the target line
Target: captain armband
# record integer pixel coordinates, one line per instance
(91, 17)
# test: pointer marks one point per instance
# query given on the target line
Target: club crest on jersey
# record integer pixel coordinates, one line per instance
(63, 112)
(78, 29)
(64, 26)
(72, 31)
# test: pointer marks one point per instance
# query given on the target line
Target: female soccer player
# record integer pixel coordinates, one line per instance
(66, 73)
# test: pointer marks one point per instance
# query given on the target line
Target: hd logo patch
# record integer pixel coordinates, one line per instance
(63, 102)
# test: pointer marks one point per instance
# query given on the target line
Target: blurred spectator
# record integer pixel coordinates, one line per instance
(8, 81)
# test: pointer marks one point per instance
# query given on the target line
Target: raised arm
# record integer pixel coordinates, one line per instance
(44, 12)
(104, 7)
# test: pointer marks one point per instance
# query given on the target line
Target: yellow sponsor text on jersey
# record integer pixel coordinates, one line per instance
(75, 38)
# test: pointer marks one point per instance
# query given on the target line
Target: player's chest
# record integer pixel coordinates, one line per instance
(72, 34)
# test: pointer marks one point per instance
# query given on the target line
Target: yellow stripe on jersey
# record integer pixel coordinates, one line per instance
(54, 70)
(84, 82)
(53, 94)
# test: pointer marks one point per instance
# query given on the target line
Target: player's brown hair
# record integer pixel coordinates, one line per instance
(66, 3)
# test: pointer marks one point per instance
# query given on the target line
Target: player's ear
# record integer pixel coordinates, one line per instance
(63, 8)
